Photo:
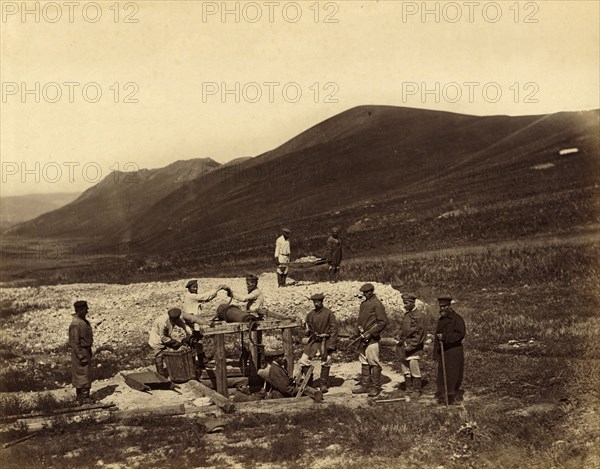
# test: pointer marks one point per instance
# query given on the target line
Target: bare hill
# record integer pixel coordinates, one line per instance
(387, 175)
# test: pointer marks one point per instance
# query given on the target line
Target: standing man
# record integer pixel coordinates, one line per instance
(160, 337)
(334, 253)
(450, 332)
(283, 256)
(255, 299)
(372, 319)
(192, 301)
(81, 338)
(322, 332)
(410, 345)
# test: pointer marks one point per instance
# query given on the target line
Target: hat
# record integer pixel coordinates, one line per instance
(444, 300)
(318, 296)
(191, 283)
(251, 278)
(286, 230)
(367, 287)
(174, 313)
(408, 297)
(80, 305)
(273, 353)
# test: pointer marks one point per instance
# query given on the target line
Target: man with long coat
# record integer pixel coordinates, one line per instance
(322, 332)
(372, 320)
(450, 332)
(81, 339)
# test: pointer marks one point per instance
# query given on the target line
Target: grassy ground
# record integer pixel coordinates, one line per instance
(532, 405)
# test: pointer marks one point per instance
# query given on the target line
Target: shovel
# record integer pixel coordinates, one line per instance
(444, 373)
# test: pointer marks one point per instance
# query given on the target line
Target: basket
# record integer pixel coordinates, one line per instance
(180, 365)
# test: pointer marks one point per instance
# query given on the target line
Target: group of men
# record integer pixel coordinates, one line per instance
(322, 333)
(283, 254)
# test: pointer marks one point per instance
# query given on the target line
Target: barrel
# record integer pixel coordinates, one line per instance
(180, 365)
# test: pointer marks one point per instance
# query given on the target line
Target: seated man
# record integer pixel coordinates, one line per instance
(276, 376)
(254, 299)
(160, 337)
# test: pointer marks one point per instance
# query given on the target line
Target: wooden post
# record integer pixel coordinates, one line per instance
(220, 364)
(288, 350)
(255, 351)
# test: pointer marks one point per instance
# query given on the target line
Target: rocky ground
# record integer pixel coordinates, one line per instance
(122, 314)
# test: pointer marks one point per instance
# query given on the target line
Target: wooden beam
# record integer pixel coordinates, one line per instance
(217, 398)
(266, 325)
(220, 364)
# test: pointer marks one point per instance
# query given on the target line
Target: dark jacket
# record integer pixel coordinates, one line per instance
(280, 380)
(321, 322)
(452, 328)
(412, 334)
(334, 251)
(372, 318)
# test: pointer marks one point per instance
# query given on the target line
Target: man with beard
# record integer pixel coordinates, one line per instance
(449, 333)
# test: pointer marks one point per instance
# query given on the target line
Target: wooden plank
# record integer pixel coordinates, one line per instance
(220, 364)
(305, 381)
(288, 350)
(270, 403)
(83, 408)
(217, 398)
(266, 325)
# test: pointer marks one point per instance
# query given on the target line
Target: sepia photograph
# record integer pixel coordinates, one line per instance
(300, 234)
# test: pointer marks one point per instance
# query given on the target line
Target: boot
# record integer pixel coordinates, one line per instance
(324, 379)
(376, 381)
(283, 279)
(409, 387)
(85, 396)
(78, 397)
(279, 280)
(417, 389)
(365, 380)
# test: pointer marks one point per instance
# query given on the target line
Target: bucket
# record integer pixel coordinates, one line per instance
(180, 365)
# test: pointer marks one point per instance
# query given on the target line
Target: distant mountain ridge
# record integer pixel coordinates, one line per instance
(115, 200)
(21, 208)
(382, 164)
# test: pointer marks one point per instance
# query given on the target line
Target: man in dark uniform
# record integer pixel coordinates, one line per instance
(322, 332)
(334, 253)
(410, 345)
(450, 332)
(81, 339)
(372, 319)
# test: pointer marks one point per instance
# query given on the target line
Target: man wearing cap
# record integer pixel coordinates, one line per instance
(283, 256)
(334, 252)
(372, 319)
(81, 339)
(450, 332)
(254, 299)
(160, 338)
(410, 345)
(192, 301)
(276, 375)
(322, 332)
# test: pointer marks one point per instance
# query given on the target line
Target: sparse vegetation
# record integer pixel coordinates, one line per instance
(531, 404)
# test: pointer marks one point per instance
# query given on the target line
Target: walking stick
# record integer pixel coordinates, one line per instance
(444, 373)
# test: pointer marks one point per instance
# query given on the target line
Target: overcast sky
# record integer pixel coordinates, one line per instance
(204, 82)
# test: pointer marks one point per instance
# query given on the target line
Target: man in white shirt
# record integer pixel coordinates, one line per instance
(192, 301)
(283, 256)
